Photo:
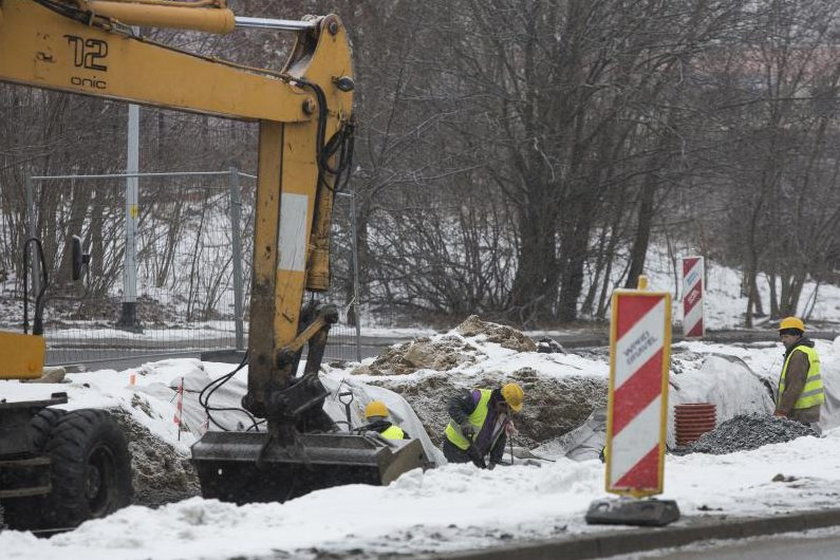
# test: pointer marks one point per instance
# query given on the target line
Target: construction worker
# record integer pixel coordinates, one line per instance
(376, 413)
(479, 422)
(800, 384)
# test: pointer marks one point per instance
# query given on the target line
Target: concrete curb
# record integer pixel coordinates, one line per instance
(688, 531)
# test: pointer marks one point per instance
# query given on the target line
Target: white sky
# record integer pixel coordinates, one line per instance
(453, 507)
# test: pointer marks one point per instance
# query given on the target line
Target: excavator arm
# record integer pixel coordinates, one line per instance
(90, 47)
(71, 46)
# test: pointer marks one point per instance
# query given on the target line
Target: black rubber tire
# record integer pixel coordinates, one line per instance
(42, 425)
(25, 513)
(91, 471)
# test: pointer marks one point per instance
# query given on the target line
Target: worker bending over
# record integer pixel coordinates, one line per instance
(480, 419)
(800, 385)
(376, 413)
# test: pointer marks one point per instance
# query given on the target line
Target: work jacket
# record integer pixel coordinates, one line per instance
(476, 408)
(393, 432)
(800, 384)
(387, 429)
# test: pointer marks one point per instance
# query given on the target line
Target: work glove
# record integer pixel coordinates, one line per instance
(468, 430)
(476, 458)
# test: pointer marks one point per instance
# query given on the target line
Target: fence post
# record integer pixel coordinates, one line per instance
(128, 318)
(236, 247)
(34, 263)
(355, 249)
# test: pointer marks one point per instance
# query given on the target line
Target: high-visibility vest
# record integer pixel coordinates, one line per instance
(476, 418)
(812, 393)
(394, 432)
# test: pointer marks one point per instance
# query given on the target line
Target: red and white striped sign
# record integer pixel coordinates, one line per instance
(640, 350)
(693, 273)
(179, 404)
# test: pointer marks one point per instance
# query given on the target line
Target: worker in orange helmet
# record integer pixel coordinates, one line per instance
(377, 415)
(801, 392)
(480, 420)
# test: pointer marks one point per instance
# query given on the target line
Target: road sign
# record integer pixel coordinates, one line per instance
(693, 272)
(640, 349)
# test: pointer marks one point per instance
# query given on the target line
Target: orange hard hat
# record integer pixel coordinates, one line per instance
(514, 395)
(792, 323)
(376, 408)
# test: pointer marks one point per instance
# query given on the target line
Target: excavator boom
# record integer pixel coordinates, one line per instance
(304, 112)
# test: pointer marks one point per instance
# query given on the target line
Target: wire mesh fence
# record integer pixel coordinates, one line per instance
(185, 285)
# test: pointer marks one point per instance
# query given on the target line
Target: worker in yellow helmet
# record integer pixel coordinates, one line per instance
(479, 422)
(801, 392)
(377, 415)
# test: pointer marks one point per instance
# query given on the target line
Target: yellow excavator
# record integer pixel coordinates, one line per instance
(304, 113)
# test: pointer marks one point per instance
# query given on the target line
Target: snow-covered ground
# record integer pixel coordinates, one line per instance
(452, 507)
(448, 508)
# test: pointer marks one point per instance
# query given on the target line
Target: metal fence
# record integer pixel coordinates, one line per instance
(170, 268)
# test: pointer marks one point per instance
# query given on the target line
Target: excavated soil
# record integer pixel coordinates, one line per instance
(160, 474)
(553, 406)
(440, 355)
(743, 433)
(504, 336)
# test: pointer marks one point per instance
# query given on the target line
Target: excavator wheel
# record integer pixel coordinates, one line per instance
(25, 513)
(91, 470)
(42, 425)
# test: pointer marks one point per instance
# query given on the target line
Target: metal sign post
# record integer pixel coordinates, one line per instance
(693, 290)
(640, 344)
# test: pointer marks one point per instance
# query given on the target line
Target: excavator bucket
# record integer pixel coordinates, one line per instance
(247, 467)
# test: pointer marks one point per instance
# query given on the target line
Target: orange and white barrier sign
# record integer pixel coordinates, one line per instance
(640, 351)
(693, 273)
(179, 404)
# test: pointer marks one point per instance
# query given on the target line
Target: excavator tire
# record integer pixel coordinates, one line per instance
(25, 513)
(42, 425)
(91, 471)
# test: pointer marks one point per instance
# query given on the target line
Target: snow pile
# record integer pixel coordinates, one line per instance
(743, 433)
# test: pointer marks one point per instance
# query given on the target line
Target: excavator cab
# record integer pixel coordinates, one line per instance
(304, 113)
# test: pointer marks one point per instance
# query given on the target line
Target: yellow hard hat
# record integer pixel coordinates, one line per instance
(514, 395)
(376, 408)
(792, 323)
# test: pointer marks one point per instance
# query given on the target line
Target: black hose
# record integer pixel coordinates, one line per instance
(210, 388)
(341, 142)
(38, 320)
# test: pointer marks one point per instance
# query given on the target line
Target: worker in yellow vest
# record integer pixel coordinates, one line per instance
(480, 420)
(801, 391)
(377, 414)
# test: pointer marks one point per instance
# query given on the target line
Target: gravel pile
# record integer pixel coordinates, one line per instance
(743, 433)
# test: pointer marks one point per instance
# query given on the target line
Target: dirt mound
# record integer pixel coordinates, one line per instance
(506, 337)
(553, 406)
(446, 352)
(160, 474)
(440, 354)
